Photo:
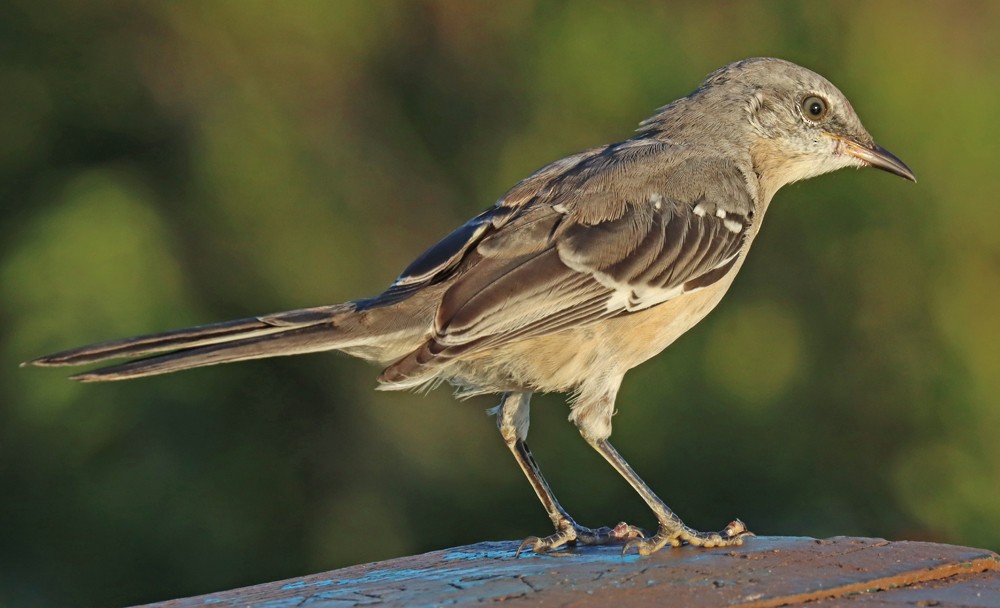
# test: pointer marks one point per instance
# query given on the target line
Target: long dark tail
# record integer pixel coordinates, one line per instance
(289, 333)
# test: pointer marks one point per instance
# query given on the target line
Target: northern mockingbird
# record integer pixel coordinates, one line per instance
(582, 271)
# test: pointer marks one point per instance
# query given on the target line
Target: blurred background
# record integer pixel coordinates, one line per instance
(175, 163)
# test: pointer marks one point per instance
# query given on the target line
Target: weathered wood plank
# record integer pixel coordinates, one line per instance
(766, 571)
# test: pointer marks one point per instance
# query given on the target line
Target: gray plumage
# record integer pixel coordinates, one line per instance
(583, 270)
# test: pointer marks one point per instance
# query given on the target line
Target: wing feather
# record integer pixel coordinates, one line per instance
(576, 247)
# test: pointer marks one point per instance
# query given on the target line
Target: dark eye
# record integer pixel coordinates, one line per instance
(814, 108)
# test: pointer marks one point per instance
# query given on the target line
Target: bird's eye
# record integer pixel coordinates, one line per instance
(814, 108)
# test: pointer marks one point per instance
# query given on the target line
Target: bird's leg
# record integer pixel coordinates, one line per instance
(512, 419)
(672, 530)
(567, 530)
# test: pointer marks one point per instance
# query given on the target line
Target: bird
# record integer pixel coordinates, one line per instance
(583, 270)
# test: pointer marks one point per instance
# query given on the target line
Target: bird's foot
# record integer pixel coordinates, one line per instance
(730, 536)
(571, 534)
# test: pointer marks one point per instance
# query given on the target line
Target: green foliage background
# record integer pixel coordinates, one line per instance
(173, 163)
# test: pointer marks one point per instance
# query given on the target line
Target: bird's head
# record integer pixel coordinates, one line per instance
(801, 125)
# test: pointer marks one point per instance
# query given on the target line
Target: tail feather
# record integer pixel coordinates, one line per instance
(153, 343)
(289, 333)
(315, 338)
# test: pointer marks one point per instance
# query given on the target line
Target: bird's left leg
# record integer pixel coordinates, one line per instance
(512, 419)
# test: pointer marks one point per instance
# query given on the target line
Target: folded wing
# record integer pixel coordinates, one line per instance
(576, 250)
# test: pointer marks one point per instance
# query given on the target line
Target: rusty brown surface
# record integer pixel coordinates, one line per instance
(765, 571)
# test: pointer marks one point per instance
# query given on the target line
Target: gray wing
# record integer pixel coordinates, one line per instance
(605, 233)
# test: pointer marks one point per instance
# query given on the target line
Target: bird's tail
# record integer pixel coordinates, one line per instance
(288, 333)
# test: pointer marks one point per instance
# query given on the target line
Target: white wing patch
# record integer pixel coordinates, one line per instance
(633, 298)
(639, 297)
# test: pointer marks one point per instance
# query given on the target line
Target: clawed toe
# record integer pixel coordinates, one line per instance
(627, 532)
(574, 534)
(547, 543)
(732, 535)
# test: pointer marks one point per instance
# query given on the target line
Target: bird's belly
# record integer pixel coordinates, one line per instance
(564, 361)
(554, 363)
(644, 334)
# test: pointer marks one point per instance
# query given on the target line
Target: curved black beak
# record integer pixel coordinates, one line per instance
(878, 157)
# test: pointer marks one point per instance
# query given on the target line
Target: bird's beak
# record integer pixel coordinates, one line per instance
(874, 156)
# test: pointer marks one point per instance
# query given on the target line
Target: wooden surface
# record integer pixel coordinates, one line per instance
(765, 571)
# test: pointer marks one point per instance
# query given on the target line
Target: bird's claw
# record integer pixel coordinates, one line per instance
(730, 536)
(576, 534)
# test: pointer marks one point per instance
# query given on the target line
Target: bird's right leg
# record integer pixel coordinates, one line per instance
(672, 530)
(512, 420)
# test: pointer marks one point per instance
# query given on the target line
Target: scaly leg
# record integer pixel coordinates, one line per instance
(672, 529)
(512, 419)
